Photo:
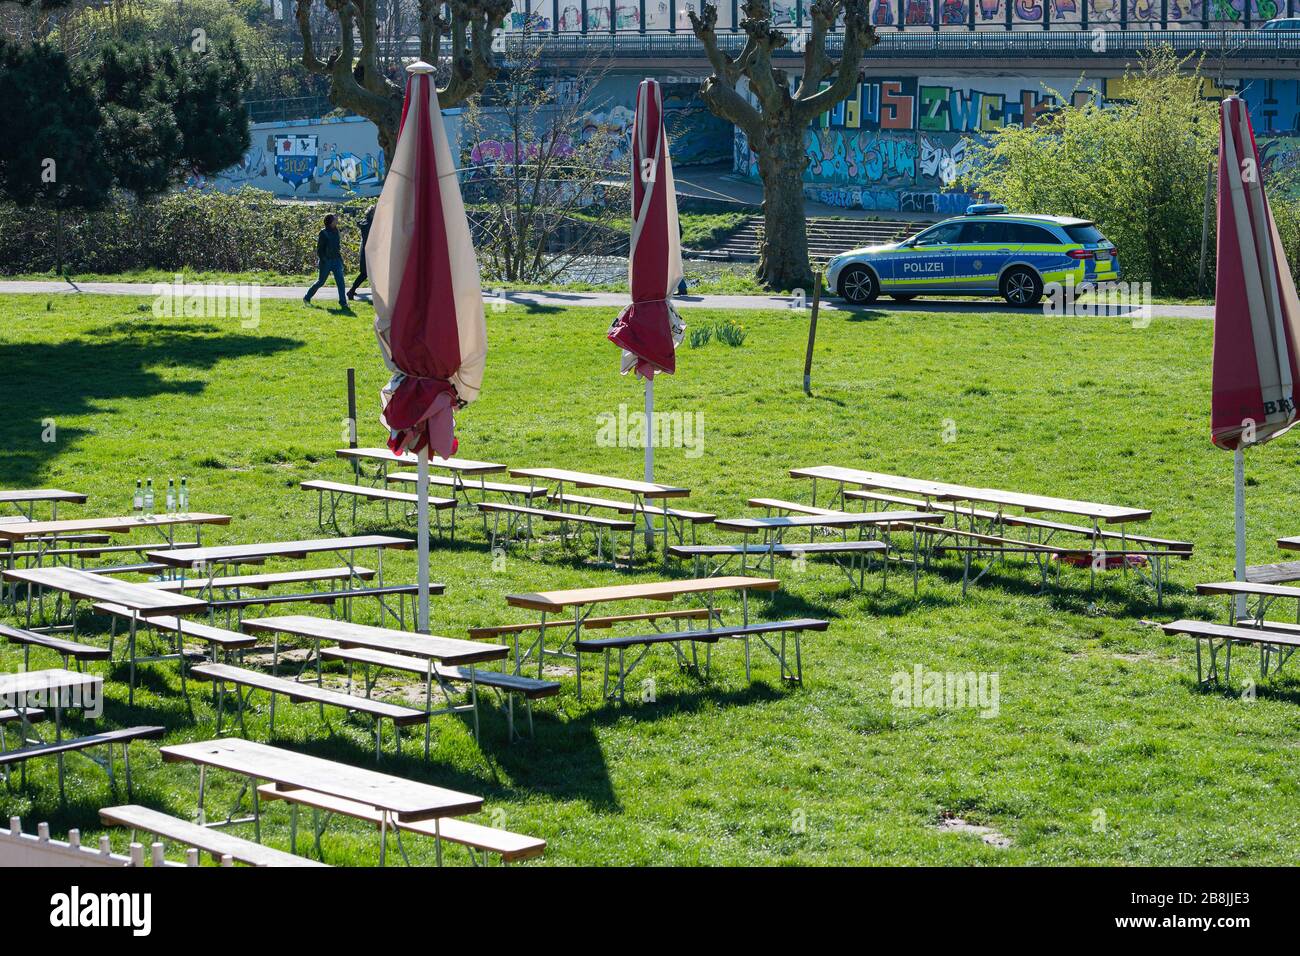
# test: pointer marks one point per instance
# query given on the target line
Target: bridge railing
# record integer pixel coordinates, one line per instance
(1227, 44)
(644, 17)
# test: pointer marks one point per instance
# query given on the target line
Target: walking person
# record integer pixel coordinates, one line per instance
(329, 252)
(365, 234)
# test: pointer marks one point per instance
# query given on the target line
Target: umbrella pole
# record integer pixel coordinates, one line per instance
(422, 537)
(649, 456)
(1239, 509)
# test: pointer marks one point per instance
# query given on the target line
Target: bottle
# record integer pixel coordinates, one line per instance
(171, 496)
(148, 499)
(137, 502)
(184, 501)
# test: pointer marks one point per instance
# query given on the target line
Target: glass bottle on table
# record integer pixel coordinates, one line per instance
(148, 499)
(184, 501)
(137, 501)
(171, 496)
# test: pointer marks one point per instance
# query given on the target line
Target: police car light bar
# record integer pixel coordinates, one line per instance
(985, 208)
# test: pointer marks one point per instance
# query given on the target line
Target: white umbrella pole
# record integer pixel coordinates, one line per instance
(422, 538)
(1239, 509)
(649, 453)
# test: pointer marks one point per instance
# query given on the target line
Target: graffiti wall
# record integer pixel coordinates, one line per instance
(309, 159)
(899, 144)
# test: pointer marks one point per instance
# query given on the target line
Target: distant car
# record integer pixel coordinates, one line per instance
(988, 251)
(1281, 23)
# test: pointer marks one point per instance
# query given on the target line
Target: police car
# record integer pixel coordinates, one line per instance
(988, 251)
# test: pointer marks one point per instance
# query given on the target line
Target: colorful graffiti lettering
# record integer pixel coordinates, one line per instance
(944, 163)
(882, 13)
(571, 18)
(991, 10)
(350, 171)
(1029, 10)
(1103, 11)
(918, 12)
(953, 11)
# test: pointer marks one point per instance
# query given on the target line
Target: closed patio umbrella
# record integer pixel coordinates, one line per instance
(428, 304)
(649, 329)
(1256, 312)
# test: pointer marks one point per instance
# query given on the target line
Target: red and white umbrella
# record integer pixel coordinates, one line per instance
(649, 330)
(1256, 312)
(428, 304)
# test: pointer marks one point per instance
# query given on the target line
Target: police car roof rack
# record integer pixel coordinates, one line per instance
(985, 208)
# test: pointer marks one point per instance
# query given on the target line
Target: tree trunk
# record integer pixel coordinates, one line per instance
(783, 256)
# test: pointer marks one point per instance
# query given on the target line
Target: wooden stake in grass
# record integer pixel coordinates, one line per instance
(352, 408)
(812, 334)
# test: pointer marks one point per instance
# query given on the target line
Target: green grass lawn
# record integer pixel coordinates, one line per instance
(1103, 749)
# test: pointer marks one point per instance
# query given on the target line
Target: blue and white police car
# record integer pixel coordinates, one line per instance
(988, 251)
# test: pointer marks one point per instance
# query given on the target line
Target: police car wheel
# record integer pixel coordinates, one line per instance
(1022, 287)
(858, 284)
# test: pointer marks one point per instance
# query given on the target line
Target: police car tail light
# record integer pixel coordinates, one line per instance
(1081, 254)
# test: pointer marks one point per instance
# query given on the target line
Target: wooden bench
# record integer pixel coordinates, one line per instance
(793, 507)
(711, 636)
(510, 847)
(338, 490)
(678, 517)
(261, 582)
(500, 630)
(1265, 638)
(998, 547)
(106, 739)
(217, 638)
(200, 837)
(62, 646)
(346, 595)
(495, 487)
(727, 552)
(1021, 521)
(142, 567)
(296, 691)
(99, 551)
(1280, 573)
(520, 513)
(504, 684)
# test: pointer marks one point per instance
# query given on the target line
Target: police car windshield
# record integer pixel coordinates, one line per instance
(944, 232)
(1084, 233)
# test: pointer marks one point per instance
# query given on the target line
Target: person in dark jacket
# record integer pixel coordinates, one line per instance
(365, 234)
(329, 252)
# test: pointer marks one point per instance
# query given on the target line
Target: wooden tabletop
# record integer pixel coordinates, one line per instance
(835, 520)
(934, 490)
(101, 587)
(122, 524)
(32, 682)
(40, 494)
(946, 491)
(446, 650)
(1289, 544)
(462, 465)
(408, 800)
(1248, 587)
(582, 479)
(186, 557)
(655, 591)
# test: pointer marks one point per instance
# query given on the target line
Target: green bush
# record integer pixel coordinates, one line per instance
(1136, 167)
(191, 229)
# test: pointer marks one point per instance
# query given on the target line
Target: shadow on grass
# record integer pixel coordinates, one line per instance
(1112, 596)
(53, 382)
